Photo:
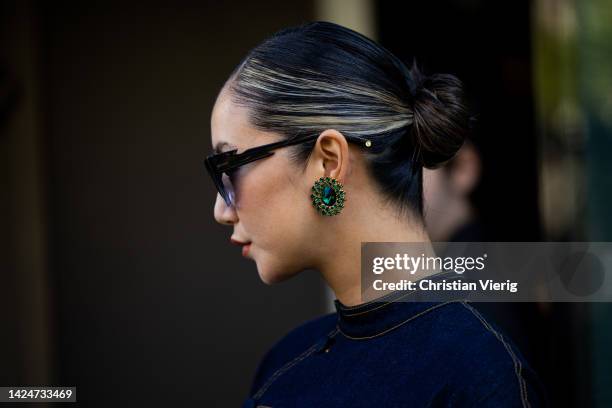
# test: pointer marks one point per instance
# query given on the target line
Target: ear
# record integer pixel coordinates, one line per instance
(330, 156)
(465, 172)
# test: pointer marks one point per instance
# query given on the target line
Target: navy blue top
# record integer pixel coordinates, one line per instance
(389, 353)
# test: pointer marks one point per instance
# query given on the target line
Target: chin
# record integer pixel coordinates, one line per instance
(270, 276)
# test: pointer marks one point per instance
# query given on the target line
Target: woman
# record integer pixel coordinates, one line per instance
(320, 138)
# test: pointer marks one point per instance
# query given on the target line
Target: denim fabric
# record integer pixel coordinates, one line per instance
(388, 353)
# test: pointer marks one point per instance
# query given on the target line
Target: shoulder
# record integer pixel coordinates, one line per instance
(292, 345)
(488, 368)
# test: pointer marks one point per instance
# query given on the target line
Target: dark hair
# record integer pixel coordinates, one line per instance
(321, 75)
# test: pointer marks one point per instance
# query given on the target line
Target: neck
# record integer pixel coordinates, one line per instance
(341, 266)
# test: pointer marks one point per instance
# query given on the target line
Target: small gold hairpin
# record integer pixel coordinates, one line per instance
(368, 143)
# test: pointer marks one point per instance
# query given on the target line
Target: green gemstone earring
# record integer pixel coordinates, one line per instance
(327, 196)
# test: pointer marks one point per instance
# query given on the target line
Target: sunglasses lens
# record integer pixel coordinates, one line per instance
(229, 194)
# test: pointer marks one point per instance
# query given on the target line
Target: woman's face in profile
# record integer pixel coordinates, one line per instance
(272, 197)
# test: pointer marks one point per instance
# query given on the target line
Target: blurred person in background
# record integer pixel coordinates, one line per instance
(449, 212)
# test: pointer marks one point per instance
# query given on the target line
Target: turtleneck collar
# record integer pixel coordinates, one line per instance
(382, 315)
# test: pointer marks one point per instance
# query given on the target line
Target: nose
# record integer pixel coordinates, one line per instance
(223, 214)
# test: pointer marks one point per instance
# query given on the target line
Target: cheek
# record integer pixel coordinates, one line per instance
(432, 187)
(271, 209)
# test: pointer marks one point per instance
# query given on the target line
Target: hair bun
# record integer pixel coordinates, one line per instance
(441, 120)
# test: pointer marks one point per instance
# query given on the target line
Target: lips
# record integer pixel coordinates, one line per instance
(245, 245)
(236, 242)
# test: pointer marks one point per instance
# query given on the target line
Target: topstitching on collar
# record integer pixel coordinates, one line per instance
(381, 315)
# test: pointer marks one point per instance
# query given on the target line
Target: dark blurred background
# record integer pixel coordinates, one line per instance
(115, 277)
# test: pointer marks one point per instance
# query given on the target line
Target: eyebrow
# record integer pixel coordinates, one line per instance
(219, 147)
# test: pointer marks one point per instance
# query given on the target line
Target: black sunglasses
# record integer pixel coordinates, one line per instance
(221, 165)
